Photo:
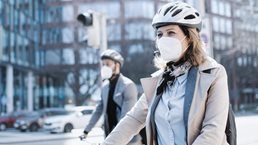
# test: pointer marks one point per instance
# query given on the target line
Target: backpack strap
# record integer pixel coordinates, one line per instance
(230, 131)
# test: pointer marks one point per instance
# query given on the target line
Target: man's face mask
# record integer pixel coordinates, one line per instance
(106, 72)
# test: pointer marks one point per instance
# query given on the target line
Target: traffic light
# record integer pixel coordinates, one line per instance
(91, 20)
(86, 18)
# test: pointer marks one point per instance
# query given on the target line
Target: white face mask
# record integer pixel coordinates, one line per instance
(170, 48)
(106, 72)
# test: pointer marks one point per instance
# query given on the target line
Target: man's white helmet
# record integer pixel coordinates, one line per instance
(114, 55)
(179, 13)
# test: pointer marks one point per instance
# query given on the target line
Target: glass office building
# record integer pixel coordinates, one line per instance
(45, 61)
(235, 31)
(44, 50)
(23, 85)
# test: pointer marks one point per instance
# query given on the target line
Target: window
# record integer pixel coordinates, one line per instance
(228, 9)
(111, 9)
(114, 32)
(53, 57)
(67, 13)
(88, 56)
(229, 42)
(68, 35)
(215, 24)
(22, 23)
(223, 42)
(37, 54)
(139, 31)
(140, 9)
(11, 16)
(5, 41)
(68, 56)
(216, 41)
(239, 61)
(11, 2)
(12, 45)
(137, 48)
(19, 49)
(87, 112)
(16, 18)
(228, 26)
(222, 25)
(214, 6)
(26, 51)
(221, 8)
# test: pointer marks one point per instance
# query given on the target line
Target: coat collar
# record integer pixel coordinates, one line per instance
(209, 63)
(149, 84)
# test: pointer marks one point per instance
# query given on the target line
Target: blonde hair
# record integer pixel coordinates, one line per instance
(195, 53)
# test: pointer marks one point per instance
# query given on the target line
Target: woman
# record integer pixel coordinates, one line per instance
(187, 101)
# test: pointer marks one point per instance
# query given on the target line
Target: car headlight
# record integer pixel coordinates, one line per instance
(22, 122)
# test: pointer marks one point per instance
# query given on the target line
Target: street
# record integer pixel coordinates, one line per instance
(247, 129)
(13, 137)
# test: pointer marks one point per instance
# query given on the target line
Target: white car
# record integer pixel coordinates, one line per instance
(75, 118)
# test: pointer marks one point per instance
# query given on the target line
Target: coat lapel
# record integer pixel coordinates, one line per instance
(149, 86)
(104, 94)
(117, 97)
(202, 85)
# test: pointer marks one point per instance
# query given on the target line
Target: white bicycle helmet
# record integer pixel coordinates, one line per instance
(114, 55)
(177, 13)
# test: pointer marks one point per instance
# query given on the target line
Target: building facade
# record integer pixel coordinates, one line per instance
(234, 38)
(46, 61)
(23, 86)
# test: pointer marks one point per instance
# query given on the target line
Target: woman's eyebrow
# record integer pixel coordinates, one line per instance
(170, 29)
(159, 31)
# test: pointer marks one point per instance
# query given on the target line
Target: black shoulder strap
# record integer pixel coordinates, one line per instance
(230, 131)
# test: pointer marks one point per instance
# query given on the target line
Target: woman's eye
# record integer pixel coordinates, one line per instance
(159, 35)
(171, 33)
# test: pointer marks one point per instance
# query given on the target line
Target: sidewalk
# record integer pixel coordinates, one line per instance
(9, 137)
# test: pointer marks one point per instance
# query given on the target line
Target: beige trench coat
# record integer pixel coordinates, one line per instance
(207, 116)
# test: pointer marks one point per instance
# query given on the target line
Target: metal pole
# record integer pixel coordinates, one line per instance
(30, 91)
(9, 88)
(103, 32)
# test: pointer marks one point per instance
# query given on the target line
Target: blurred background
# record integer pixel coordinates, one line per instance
(46, 60)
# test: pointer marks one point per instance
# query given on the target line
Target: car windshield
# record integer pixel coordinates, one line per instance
(32, 114)
(55, 112)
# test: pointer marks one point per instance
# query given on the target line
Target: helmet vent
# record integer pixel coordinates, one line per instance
(189, 17)
(166, 11)
(173, 8)
(159, 10)
(176, 12)
(197, 14)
